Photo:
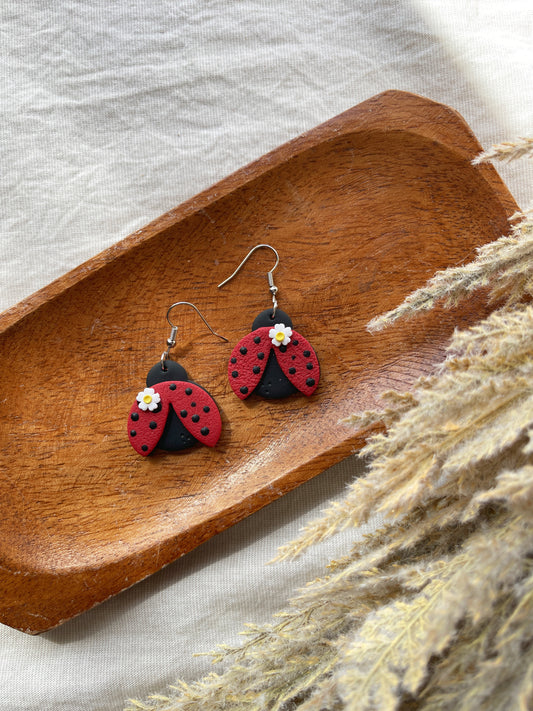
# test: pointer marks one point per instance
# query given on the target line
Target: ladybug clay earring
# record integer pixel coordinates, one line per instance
(172, 412)
(273, 361)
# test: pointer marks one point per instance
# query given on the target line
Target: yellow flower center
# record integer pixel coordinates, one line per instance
(279, 336)
(147, 399)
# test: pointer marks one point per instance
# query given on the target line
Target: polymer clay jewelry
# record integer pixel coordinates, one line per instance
(172, 412)
(273, 361)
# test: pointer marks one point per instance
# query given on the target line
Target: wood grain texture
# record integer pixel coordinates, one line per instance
(362, 209)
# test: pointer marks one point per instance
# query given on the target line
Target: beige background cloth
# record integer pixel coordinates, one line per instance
(113, 113)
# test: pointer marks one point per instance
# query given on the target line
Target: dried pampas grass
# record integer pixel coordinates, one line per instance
(434, 611)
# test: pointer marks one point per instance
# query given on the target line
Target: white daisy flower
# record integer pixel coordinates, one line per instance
(280, 334)
(148, 399)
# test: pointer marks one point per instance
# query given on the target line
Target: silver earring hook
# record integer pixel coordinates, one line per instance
(171, 340)
(271, 286)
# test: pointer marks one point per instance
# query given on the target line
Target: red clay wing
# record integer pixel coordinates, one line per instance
(299, 363)
(144, 427)
(248, 360)
(196, 409)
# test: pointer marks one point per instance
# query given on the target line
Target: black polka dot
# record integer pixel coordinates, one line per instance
(195, 418)
(310, 382)
(144, 448)
(307, 354)
(193, 404)
(133, 433)
(295, 341)
(256, 369)
(309, 366)
(183, 413)
(172, 386)
(135, 416)
(260, 355)
(283, 349)
(233, 360)
(152, 425)
(257, 339)
(205, 431)
(292, 371)
(188, 391)
(243, 350)
(293, 357)
(234, 374)
(244, 390)
(206, 408)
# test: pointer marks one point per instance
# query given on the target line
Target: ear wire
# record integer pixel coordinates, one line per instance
(271, 286)
(171, 340)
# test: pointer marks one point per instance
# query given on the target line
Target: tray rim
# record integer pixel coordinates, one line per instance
(358, 119)
(347, 122)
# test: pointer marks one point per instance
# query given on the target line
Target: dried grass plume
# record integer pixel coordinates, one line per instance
(435, 611)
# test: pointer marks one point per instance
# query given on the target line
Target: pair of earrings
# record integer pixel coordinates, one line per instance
(273, 361)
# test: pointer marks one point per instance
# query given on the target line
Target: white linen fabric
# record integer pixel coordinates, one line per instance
(113, 113)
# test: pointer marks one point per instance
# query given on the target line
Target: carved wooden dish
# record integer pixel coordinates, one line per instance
(362, 209)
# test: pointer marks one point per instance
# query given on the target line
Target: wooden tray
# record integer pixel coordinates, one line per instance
(362, 209)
